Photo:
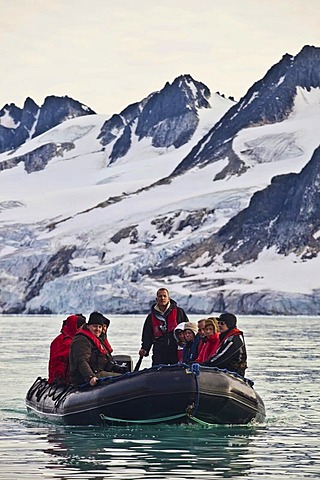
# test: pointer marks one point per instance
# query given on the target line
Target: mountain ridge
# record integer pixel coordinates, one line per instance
(129, 206)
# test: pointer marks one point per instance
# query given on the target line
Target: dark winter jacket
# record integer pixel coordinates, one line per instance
(88, 357)
(231, 354)
(164, 345)
(190, 350)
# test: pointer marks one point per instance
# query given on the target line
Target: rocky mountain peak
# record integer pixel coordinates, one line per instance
(168, 117)
(10, 116)
(56, 110)
(268, 101)
(17, 125)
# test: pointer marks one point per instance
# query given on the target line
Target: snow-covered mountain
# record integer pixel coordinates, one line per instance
(217, 200)
(19, 125)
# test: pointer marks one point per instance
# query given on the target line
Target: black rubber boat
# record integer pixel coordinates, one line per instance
(161, 394)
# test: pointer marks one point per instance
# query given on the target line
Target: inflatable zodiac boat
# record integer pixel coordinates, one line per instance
(161, 394)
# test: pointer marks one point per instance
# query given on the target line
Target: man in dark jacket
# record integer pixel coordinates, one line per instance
(231, 354)
(89, 357)
(159, 327)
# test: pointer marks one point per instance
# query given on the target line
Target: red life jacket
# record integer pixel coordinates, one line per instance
(171, 321)
(234, 331)
(95, 340)
(107, 345)
(209, 348)
(180, 353)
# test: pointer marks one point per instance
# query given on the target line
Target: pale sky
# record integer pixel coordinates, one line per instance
(110, 53)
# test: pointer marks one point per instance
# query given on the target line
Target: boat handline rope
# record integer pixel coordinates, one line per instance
(154, 420)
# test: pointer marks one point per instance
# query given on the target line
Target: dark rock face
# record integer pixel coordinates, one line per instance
(24, 119)
(172, 224)
(110, 129)
(122, 145)
(33, 120)
(269, 100)
(56, 110)
(39, 158)
(124, 233)
(57, 266)
(285, 215)
(168, 117)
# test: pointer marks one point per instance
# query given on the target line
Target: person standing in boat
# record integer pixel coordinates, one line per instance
(58, 368)
(90, 359)
(231, 353)
(158, 329)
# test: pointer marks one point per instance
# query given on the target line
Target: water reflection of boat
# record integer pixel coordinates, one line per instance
(161, 394)
(155, 451)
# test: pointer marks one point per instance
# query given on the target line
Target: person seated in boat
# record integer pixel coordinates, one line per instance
(201, 333)
(158, 329)
(201, 327)
(190, 350)
(231, 354)
(58, 368)
(211, 340)
(179, 336)
(89, 358)
(104, 333)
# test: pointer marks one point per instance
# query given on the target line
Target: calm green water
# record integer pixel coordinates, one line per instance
(284, 362)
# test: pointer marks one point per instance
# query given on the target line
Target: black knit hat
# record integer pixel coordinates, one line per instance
(229, 319)
(96, 318)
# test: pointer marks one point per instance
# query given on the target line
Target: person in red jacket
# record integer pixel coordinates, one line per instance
(60, 348)
(211, 340)
(231, 354)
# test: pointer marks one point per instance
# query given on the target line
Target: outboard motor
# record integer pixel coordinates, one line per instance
(123, 361)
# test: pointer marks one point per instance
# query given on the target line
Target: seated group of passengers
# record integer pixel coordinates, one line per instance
(82, 354)
(215, 342)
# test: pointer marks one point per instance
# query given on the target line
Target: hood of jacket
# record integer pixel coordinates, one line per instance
(70, 326)
(178, 327)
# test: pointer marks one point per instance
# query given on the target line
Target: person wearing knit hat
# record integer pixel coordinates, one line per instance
(96, 318)
(191, 326)
(90, 358)
(190, 350)
(228, 319)
(231, 354)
